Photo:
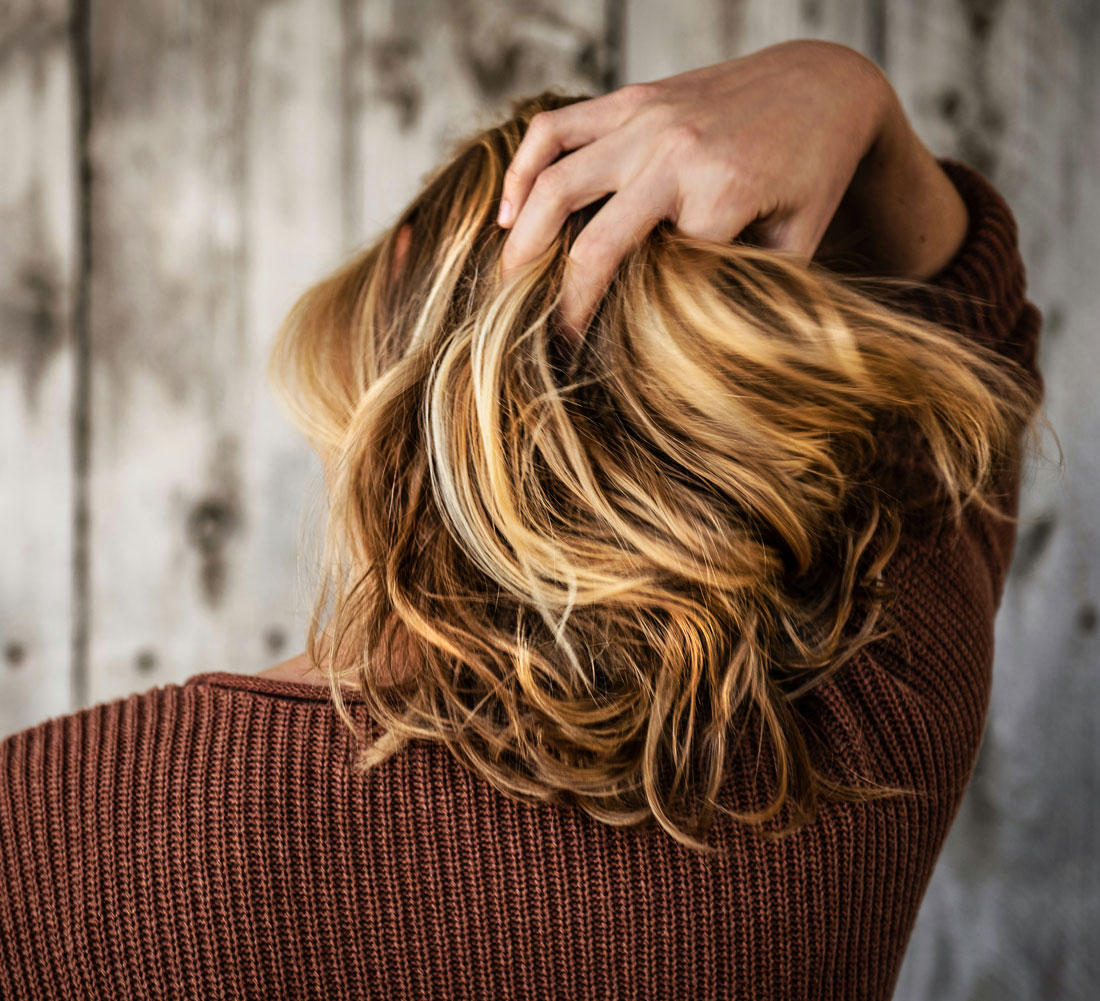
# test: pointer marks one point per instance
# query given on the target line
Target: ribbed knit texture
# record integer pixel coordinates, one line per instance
(209, 840)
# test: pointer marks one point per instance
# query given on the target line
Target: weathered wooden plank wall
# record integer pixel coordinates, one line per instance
(38, 355)
(216, 188)
(171, 176)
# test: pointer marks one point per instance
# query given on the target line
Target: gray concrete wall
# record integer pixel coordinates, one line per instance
(172, 174)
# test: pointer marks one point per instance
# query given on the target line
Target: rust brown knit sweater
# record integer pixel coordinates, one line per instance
(209, 840)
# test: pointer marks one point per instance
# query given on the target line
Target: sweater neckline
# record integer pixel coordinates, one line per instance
(270, 686)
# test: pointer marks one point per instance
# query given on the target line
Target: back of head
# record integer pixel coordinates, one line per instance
(589, 571)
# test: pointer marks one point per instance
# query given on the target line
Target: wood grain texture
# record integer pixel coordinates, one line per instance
(661, 39)
(215, 190)
(38, 272)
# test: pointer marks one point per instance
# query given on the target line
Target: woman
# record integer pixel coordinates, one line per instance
(666, 533)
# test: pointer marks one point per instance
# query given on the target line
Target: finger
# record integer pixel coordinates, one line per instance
(599, 249)
(550, 133)
(577, 180)
(798, 235)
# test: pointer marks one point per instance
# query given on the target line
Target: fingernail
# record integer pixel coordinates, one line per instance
(505, 215)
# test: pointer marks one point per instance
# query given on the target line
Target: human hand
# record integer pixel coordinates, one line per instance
(768, 141)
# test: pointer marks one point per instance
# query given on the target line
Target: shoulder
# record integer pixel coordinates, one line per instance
(79, 794)
(56, 771)
(112, 766)
(174, 719)
(299, 670)
(93, 728)
(92, 795)
(123, 819)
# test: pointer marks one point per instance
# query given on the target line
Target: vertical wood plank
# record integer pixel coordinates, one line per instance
(216, 151)
(37, 282)
(294, 218)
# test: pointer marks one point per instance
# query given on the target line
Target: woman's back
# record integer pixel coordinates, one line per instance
(214, 839)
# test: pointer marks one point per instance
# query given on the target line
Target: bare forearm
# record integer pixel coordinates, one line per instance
(901, 214)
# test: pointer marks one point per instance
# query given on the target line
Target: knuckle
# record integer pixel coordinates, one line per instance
(634, 94)
(550, 184)
(681, 137)
(541, 123)
(656, 114)
(514, 254)
(590, 254)
(583, 253)
(743, 178)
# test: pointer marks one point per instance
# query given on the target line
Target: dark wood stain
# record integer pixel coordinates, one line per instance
(274, 639)
(32, 316)
(614, 43)
(37, 30)
(1054, 320)
(491, 59)
(494, 70)
(45, 335)
(395, 61)
(215, 519)
(588, 60)
(980, 134)
(948, 104)
(1031, 541)
(211, 522)
(981, 16)
(33, 300)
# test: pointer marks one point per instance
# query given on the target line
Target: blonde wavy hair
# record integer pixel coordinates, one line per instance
(588, 572)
